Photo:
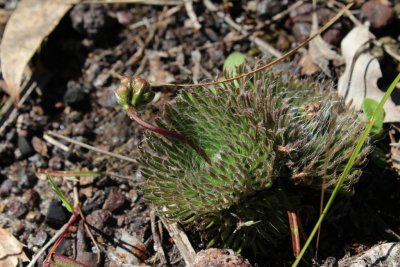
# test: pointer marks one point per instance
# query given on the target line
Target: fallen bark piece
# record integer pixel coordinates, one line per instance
(387, 254)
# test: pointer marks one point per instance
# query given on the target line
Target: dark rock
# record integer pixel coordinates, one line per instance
(76, 97)
(379, 14)
(57, 215)
(269, 8)
(27, 180)
(25, 147)
(66, 247)
(95, 202)
(6, 154)
(17, 209)
(98, 219)
(115, 200)
(31, 197)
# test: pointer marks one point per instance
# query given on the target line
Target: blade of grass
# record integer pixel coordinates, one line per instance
(349, 165)
(60, 195)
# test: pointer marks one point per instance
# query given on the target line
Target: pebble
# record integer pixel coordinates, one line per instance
(6, 154)
(6, 186)
(95, 202)
(115, 200)
(98, 218)
(80, 129)
(31, 198)
(57, 215)
(106, 98)
(66, 247)
(76, 97)
(56, 163)
(219, 257)
(25, 147)
(27, 180)
(40, 238)
(34, 216)
(269, 8)
(17, 209)
(376, 12)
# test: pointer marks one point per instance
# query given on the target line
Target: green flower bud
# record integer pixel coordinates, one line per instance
(133, 93)
(124, 92)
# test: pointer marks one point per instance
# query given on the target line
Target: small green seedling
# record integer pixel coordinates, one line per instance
(60, 195)
(369, 106)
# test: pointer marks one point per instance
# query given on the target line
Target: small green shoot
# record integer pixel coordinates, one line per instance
(60, 195)
(234, 60)
(369, 107)
(349, 165)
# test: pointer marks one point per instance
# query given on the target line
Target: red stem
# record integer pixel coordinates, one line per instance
(132, 115)
(71, 221)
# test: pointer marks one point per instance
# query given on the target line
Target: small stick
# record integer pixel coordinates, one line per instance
(108, 153)
(156, 237)
(191, 14)
(48, 244)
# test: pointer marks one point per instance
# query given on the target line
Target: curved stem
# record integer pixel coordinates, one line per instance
(165, 132)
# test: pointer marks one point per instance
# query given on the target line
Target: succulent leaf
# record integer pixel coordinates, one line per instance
(268, 137)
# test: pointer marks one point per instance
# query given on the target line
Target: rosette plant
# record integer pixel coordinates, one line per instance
(266, 138)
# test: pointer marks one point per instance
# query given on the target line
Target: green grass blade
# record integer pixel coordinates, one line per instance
(348, 167)
(59, 194)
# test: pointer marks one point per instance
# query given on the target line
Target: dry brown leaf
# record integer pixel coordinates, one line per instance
(308, 67)
(320, 51)
(10, 250)
(360, 77)
(157, 73)
(28, 26)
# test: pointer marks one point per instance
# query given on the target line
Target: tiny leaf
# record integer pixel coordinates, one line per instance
(60, 195)
(234, 60)
(369, 106)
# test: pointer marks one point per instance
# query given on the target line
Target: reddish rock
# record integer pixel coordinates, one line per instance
(214, 257)
(379, 14)
(115, 200)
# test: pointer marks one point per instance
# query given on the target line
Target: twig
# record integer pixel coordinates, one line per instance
(156, 237)
(181, 241)
(90, 234)
(91, 147)
(13, 111)
(287, 11)
(191, 14)
(55, 143)
(145, 21)
(48, 244)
